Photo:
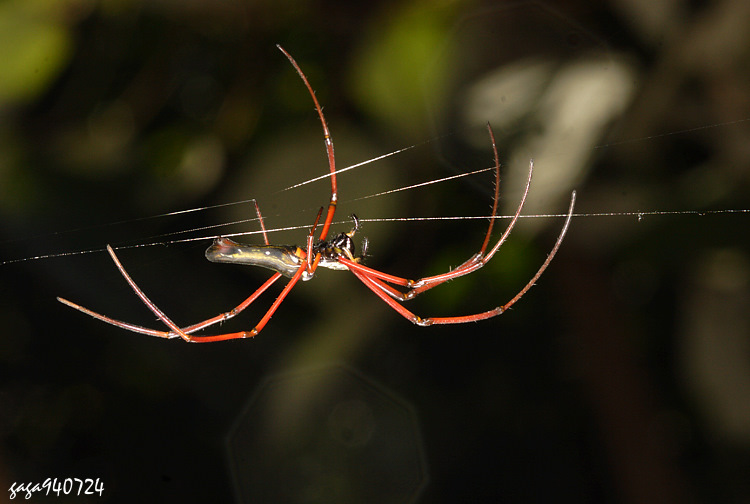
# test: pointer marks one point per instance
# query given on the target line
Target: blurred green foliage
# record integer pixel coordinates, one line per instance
(38, 45)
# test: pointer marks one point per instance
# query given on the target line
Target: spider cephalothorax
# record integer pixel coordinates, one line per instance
(341, 246)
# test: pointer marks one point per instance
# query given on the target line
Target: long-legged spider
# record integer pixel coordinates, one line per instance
(338, 253)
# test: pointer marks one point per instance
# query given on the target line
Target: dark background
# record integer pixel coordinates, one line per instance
(623, 376)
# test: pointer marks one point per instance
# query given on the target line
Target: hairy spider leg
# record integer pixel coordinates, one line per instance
(329, 148)
(183, 331)
(475, 262)
(186, 332)
(372, 279)
(309, 260)
(309, 264)
(378, 281)
(260, 221)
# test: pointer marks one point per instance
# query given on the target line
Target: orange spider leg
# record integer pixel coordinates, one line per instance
(390, 295)
(474, 263)
(186, 330)
(338, 253)
(185, 333)
(308, 264)
(260, 220)
(480, 258)
(329, 148)
(378, 281)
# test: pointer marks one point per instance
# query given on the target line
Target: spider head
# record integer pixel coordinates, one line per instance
(341, 245)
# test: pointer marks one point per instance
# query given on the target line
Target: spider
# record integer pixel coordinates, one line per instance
(338, 253)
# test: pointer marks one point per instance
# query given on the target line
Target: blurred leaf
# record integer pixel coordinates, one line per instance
(393, 76)
(37, 46)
